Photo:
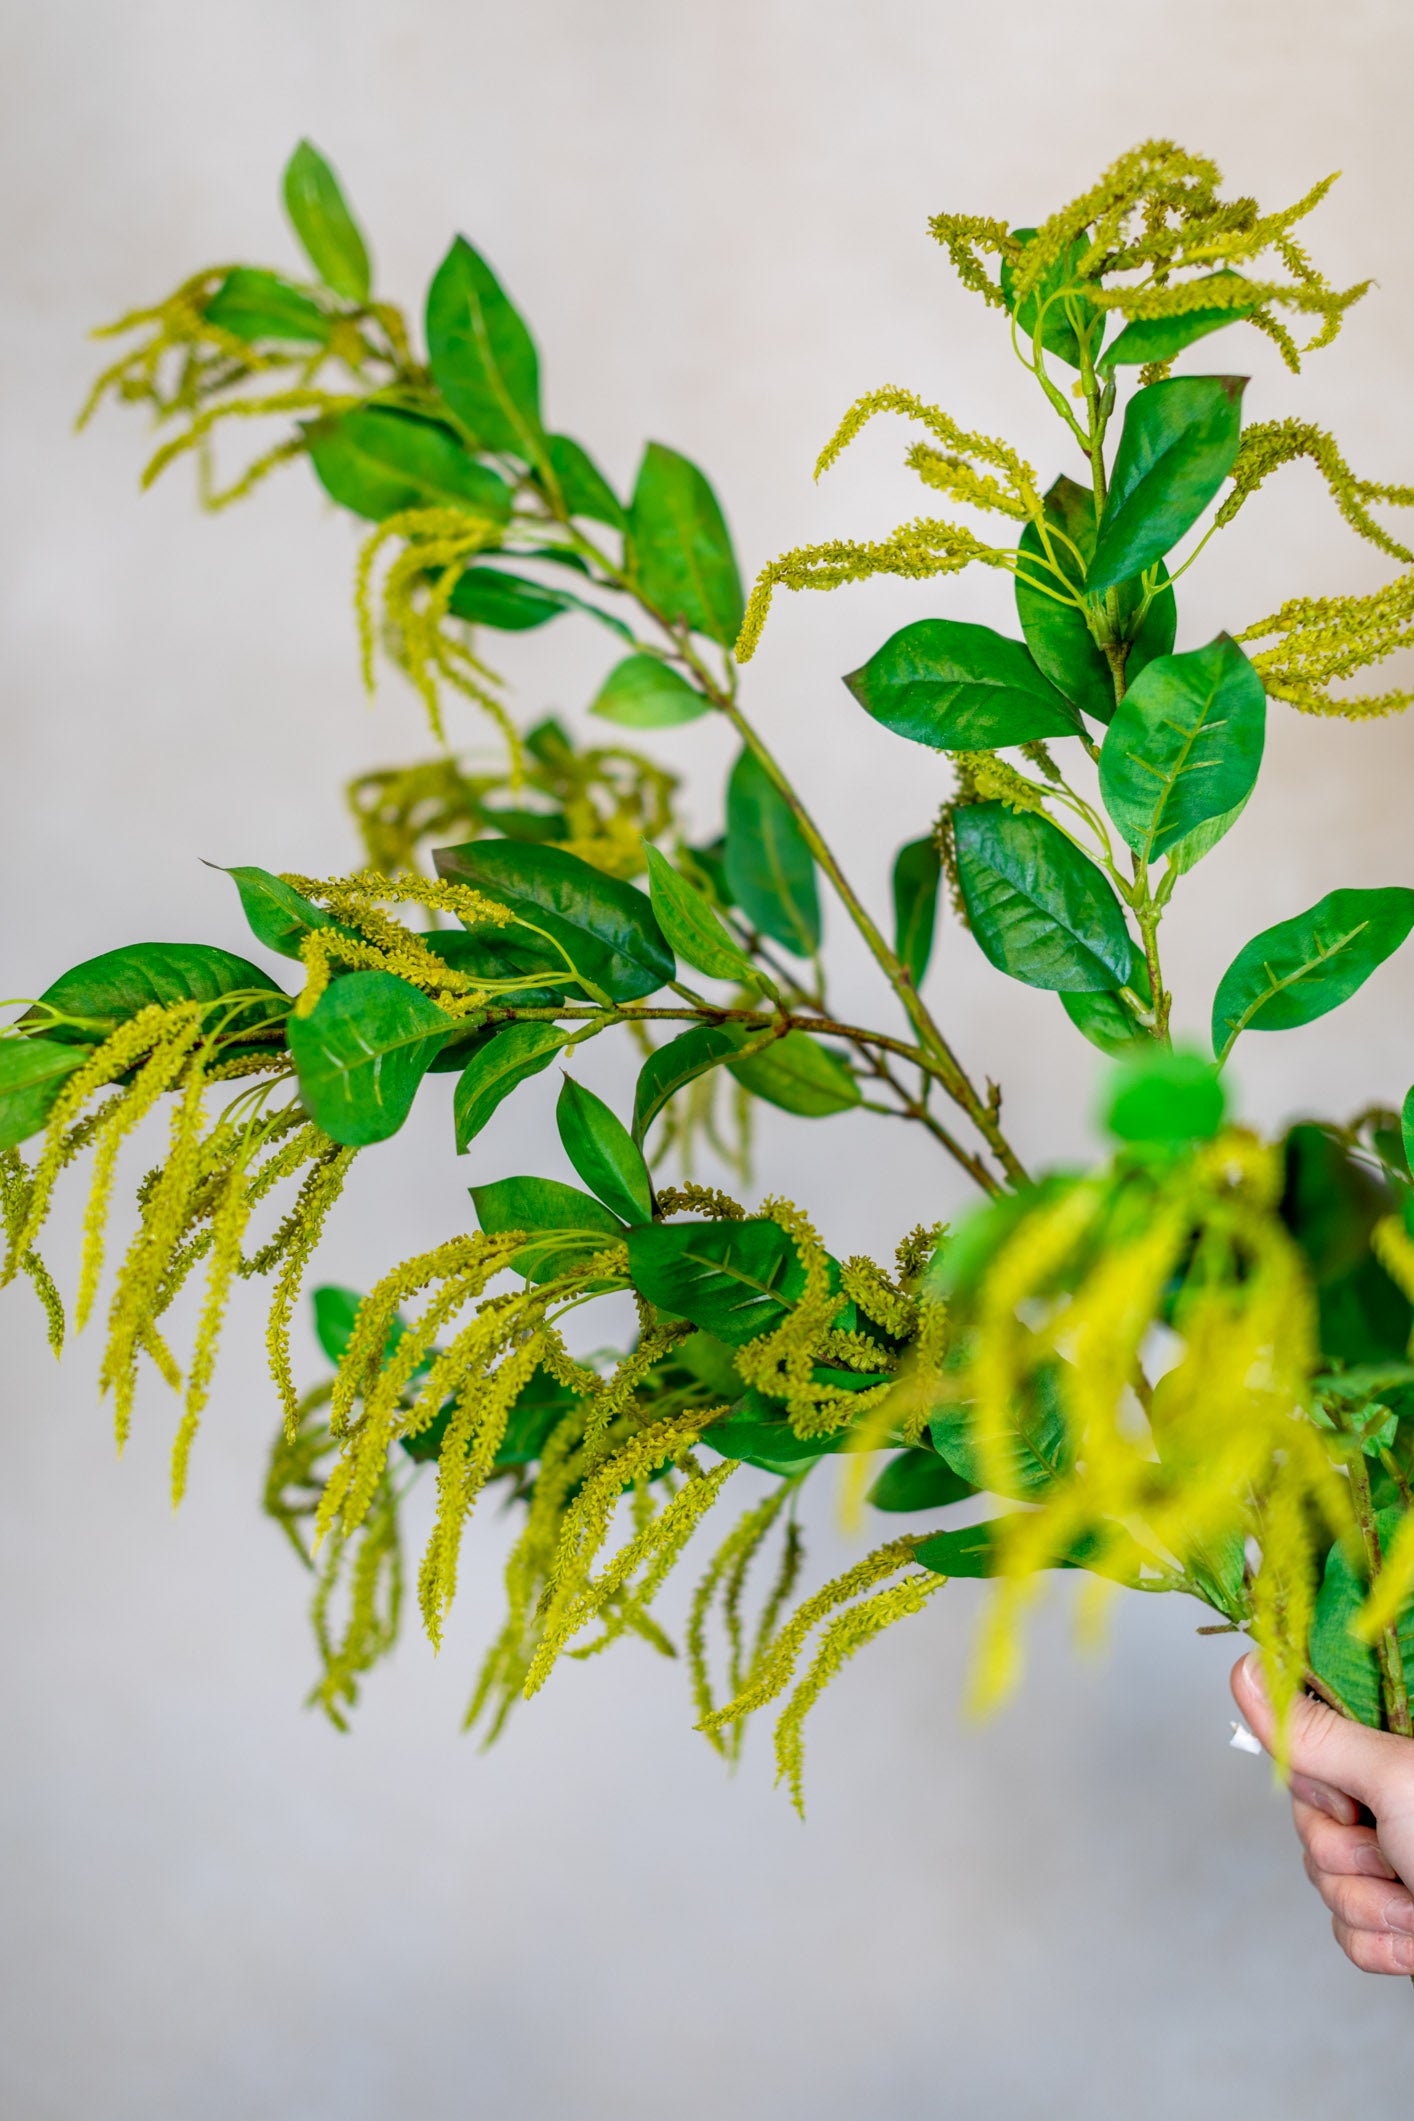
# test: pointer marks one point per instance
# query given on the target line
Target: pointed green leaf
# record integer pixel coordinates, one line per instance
(917, 871)
(604, 1153)
(1106, 1020)
(643, 693)
(1023, 1463)
(1154, 339)
(1039, 908)
(583, 488)
(32, 1073)
(1186, 853)
(566, 1226)
(324, 225)
(105, 991)
(377, 462)
(682, 551)
(959, 687)
(482, 357)
(1297, 971)
(733, 1280)
(680, 1062)
(1184, 747)
(361, 1053)
(770, 869)
(800, 1075)
(604, 925)
(1178, 444)
(515, 1054)
(253, 305)
(1406, 1127)
(918, 1480)
(1339, 1659)
(484, 596)
(279, 916)
(1056, 632)
(693, 930)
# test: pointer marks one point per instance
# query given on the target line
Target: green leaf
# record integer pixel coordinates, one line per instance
(377, 462)
(604, 1153)
(482, 357)
(361, 1053)
(324, 225)
(681, 550)
(1058, 334)
(643, 693)
(538, 1409)
(693, 930)
(1056, 633)
(770, 869)
(1106, 1021)
(106, 991)
(525, 968)
(279, 916)
(484, 596)
(1178, 445)
(918, 1480)
(1039, 908)
(672, 1067)
(976, 1551)
(1185, 746)
(253, 305)
(335, 1312)
(1297, 971)
(732, 1280)
(917, 871)
(583, 488)
(605, 925)
(958, 687)
(511, 1058)
(752, 1437)
(1186, 853)
(1165, 1097)
(1024, 1463)
(1153, 339)
(711, 1363)
(1406, 1127)
(32, 1073)
(566, 1226)
(1346, 1665)
(798, 1074)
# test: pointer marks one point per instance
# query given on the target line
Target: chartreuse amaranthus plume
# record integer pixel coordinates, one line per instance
(1188, 1370)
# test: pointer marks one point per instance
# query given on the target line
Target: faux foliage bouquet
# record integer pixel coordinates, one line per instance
(1188, 1370)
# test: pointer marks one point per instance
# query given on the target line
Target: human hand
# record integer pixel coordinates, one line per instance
(1363, 1873)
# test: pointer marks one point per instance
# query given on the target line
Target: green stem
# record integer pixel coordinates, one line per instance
(1393, 1684)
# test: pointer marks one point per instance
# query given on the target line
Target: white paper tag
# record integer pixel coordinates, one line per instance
(1242, 1740)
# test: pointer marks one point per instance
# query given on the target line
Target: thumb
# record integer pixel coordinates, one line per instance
(1323, 1746)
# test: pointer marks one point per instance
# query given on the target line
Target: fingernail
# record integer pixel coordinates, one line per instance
(1371, 1861)
(1399, 1914)
(1252, 1666)
(1401, 1950)
(1316, 1795)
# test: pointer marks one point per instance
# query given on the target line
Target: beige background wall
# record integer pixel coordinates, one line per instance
(209, 1903)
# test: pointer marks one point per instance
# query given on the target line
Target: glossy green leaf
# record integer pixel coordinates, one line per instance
(693, 930)
(672, 1067)
(1178, 444)
(335, 1312)
(583, 488)
(917, 872)
(361, 1053)
(1406, 1127)
(524, 968)
(1034, 1452)
(754, 1437)
(604, 1153)
(734, 1280)
(1039, 908)
(494, 1070)
(1154, 339)
(1106, 1021)
(1185, 746)
(959, 687)
(711, 1362)
(377, 462)
(1165, 1097)
(770, 869)
(976, 1550)
(1058, 314)
(643, 693)
(482, 357)
(484, 596)
(605, 926)
(1339, 1659)
(32, 1073)
(1187, 852)
(800, 1075)
(105, 991)
(253, 305)
(682, 551)
(322, 221)
(566, 1226)
(1056, 632)
(279, 916)
(918, 1480)
(1297, 971)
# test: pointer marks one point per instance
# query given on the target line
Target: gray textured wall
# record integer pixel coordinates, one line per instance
(210, 1904)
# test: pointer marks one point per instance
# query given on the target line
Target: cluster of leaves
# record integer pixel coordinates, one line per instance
(1188, 1370)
